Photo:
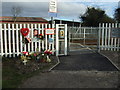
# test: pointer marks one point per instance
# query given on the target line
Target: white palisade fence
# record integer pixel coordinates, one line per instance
(11, 39)
(109, 39)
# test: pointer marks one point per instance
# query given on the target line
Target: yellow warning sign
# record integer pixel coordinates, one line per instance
(62, 33)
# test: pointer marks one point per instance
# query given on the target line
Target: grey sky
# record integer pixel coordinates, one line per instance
(66, 10)
(40, 9)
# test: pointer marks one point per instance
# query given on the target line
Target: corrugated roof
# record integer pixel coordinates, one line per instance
(22, 19)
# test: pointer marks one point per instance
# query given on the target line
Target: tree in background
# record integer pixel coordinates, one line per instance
(93, 17)
(16, 12)
(117, 15)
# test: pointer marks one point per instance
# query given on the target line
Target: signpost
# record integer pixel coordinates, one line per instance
(53, 9)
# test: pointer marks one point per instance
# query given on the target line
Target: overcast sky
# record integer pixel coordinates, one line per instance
(69, 10)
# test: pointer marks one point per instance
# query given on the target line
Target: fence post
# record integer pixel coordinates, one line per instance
(1, 40)
(39, 31)
(32, 37)
(112, 39)
(106, 35)
(13, 40)
(21, 44)
(5, 40)
(42, 34)
(24, 25)
(9, 35)
(118, 44)
(46, 41)
(69, 38)
(49, 37)
(28, 26)
(57, 42)
(66, 39)
(115, 39)
(84, 36)
(36, 42)
(99, 33)
(17, 39)
(103, 35)
(109, 32)
(53, 26)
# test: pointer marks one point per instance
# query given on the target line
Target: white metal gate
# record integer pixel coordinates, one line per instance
(83, 37)
(104, 37)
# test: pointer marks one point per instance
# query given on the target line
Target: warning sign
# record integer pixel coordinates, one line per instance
(61, 33)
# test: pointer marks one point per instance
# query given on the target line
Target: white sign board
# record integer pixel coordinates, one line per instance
(53, 6)
(49, 31)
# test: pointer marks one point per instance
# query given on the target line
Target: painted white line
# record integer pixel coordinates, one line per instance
(100, 54)
(58, 62)
(84, 47)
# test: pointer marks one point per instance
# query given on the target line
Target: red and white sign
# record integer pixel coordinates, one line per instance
(49, 31)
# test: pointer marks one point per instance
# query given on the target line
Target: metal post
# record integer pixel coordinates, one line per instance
(98, 44)
(57, 41)
(73, 22)
(69, 38)
(52, 20)
(66, 39)
(60, 21)
(84, 37)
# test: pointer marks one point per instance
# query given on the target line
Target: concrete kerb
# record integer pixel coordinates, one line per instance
(107, 58)
(58, 62)
(110, 61)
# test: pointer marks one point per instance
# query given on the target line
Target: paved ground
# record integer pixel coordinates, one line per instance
(114, 56)
(81, 60)
(73, 72)
(73, 79)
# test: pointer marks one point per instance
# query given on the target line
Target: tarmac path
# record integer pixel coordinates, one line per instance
(78, 70)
